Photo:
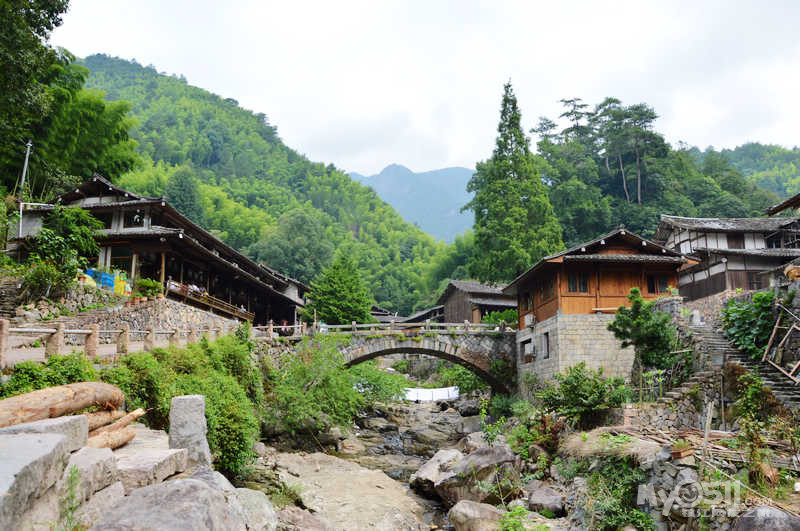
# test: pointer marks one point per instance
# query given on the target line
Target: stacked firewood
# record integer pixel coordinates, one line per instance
(109, 426)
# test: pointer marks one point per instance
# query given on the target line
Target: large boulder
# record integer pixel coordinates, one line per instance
(764, 517)
(548, 499)
(187, 428)
(181, 504)
(473, 516)
(490, 464)
(30, 464)
(424, 479)
(474, 440)
(259, 513)
(74, 427)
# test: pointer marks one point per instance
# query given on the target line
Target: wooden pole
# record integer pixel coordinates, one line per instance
(163, 271)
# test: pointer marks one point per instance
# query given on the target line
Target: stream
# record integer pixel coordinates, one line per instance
(364, 483)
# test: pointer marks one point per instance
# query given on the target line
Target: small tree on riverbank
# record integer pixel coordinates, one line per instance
(338, 295)
(647, 330)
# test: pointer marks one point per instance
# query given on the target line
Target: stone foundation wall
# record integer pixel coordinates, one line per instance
(685, 407)
(573, 339)
(161, 314)
(79, 297)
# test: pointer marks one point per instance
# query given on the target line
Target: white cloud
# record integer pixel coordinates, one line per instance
(365, 84)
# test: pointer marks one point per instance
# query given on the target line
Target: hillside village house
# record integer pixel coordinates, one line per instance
(566, 301)
(145, 237)
(728, 253)
(466, 300)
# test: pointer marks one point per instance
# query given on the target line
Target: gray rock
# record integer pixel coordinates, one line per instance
(213, 479)
(260, 449)
(75, 428)
(258, 511)
(484, 464)
(99, 504)
(546, 498)
(149, 466)
(182, 504)
(30, 464)
(424, 479)
(293, 518)
(468, 515)
(187, 428)
(97, 469)
(474, 440)
(469, 424)
(764, 517)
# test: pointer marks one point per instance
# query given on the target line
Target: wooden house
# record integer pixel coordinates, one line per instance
(596, 276)
(566, 301)
(145, 237)
(466, 300)
(728, 253)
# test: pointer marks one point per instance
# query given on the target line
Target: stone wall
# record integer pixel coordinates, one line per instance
(161, 314)
(573, 339)
(79, 297)
(684, 407)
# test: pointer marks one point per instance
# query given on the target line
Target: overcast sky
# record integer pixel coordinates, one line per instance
(366, 84)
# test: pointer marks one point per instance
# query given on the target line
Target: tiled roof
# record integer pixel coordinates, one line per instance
(470, 286)
(510, 302)
(639, 258)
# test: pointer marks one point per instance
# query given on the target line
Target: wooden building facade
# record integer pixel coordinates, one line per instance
(593, 277)
(728, 253)
(145, 237)
(466, 300)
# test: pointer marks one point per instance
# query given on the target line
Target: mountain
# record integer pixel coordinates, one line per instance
(259, 195)
(432, 200)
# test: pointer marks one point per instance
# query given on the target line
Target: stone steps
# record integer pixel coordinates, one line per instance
(147, 459)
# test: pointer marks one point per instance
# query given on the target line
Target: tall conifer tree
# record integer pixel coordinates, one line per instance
(515, 224)
(338, 295)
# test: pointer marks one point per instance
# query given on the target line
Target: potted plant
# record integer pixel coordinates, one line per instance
(681, 448)
(150, 289)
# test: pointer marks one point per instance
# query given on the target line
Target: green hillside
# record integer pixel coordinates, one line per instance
(256, 193)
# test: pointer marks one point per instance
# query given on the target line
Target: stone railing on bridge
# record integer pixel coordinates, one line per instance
(55, 343)
(487, 350)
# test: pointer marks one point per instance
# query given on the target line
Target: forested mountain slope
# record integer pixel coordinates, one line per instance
(772, 167)
(431, 199)
(258, 194)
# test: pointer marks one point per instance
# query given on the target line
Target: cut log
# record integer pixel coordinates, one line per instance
(112, 439)
(57, 401)
(101, 418)
(118, 425)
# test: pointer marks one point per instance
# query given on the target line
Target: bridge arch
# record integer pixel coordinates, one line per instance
(475, 352)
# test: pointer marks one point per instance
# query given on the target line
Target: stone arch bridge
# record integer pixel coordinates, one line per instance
(489, 353)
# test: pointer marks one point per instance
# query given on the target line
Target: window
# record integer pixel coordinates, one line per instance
(546, 290)
(546, 346)
(735, 241)
(754, 280)
(134, 218)
(106, 218)
(527, 351)
(657, 284)
(578, 282)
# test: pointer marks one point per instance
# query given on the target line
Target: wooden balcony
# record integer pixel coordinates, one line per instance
(183, 292)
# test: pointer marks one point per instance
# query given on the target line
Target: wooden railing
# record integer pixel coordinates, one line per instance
(55, 344)
(210, 301)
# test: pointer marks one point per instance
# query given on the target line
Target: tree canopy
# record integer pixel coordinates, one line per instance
(515, 224)
(338, 296)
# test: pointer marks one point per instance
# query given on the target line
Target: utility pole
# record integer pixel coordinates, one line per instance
(25, 168)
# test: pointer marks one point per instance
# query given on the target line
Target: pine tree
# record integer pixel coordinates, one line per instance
(338, 295)
(182, 193)
(515, 224)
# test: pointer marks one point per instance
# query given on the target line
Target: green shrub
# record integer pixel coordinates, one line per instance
(580, 392)
(509, 317)
(147, 384)
(749, 324)
(613, 487)
(647, 330)
(515, 519)
(376, 385)
(457, 376)
(401, 366)
(45, 279)
(148, 287)
(57, 370)
(232, 423)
